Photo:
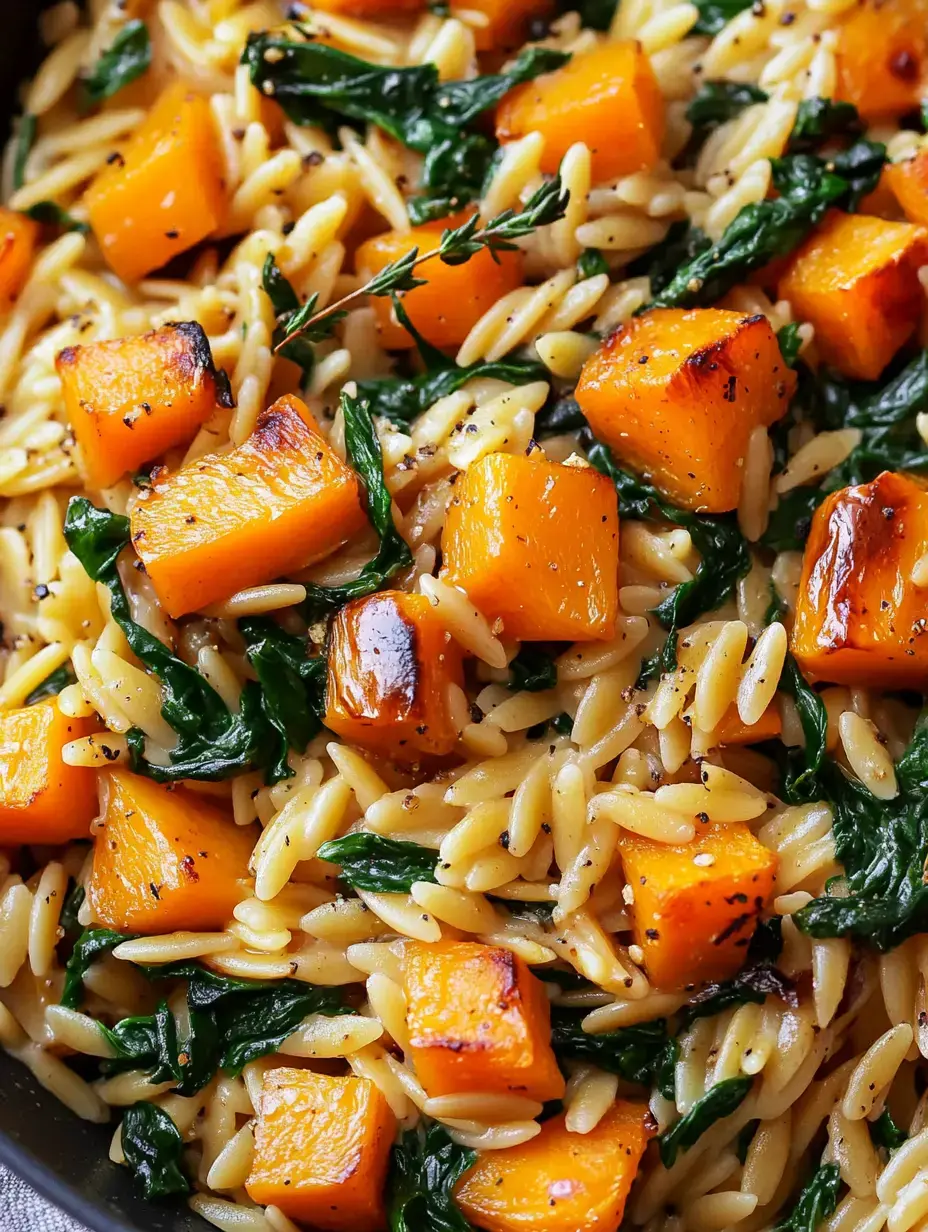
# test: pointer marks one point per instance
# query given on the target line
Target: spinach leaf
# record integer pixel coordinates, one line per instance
(682, 244)
(52, 685)
(292, 686)
(789, 343)
(92, 944)
(382, 865)
(402, 401)
(754, 983)
(559, 414)
(532, 669)
(885, 1132)
(231, 1022)
(813, 718)
(816, 1202)
(594, 14)
(714, 104)
(73, 901)
(152, 1145)
(365, 456)
(718, 1102)
(425, 1166)
(808, 187)
(634, 1053)
(317, 84)
(590, 263)
(723, 549)
(25, 140)
(127, 57)
(715, 14)
(53, 215)
(213, 742)
(664, 1070)
(820, 120)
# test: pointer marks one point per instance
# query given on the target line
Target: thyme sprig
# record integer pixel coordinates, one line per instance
(457, 245)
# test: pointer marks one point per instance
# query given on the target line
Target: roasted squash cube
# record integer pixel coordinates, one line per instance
(130, 399)
(856, 279)
(860, 618)
(322, 1148)
(882, 57)
(607, 97)
(478, 1020)
(43, 800)
(908, 182)
(18, 237)
(696, 905)
(676, 395)
(165, 859)
(559, 1181)
(279, 501)
(732, 730)
(164, 191)
(454, 297)
(536, 544)
(507, 22)
(390, 663)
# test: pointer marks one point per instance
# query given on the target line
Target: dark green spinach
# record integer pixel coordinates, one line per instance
(152, 1146)
(821, 120)
(52, 685)
(90, 946)
(818, 1199)
(425, 1166)
(381, 865)
(885, 1132)
(533, 670)
(714, 15)
(126, 58)
(53, 215)
(291, 317)
(635, 1053)
(718, 1102)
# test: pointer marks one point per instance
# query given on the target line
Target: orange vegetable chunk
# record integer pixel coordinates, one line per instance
(511, 540)
(277, 502)
(372, 9)
(478, 1020)
(507, 22)
(130, 399)
(695, 920)
(881, 57)
(908, 181)
(164, 192)
(165, 859)
(559, 1181)
(856, 279)
(322, 1148)
(43, 800)
(732, 730)
(18, 238)
(390, 663)
(677, 393)
(860, 619)
(454, 297)
(607, 97)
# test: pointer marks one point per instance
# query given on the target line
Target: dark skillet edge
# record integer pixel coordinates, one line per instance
(66, 1160)
(63, 1158)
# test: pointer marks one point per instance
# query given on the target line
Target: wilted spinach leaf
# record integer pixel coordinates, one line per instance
(816, 1202)
(789, 343)
(715, 14)
(54, 215)
(92, 944)
(590, 263)
(532, 669)
(126, 58)
(73, 901)
(714, 104)
(425, 1166)
(290, 316)
(635, 1053)
(754, 983)
(317, 84)
(152, 1146)
(718, 1102)
(813, 718)
(381, 865)
(52, 685)
(885, 1132)
(820, 120)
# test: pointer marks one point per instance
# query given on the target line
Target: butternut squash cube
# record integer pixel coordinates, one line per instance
(607, 97)
(478, 1020)
(908, 182)
(856, 279)
(279, 501)
(559, 1181)
(390, 663)
(860, 618)
(164, 191)
(677, 393)
(881, 57)
(696, 905)
(18, 238)
(130, 399)
(322, 1148)
(454, 297)
(536, 544)
(43, 800)
(507, 22)
(732, 730)
(165, 859)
